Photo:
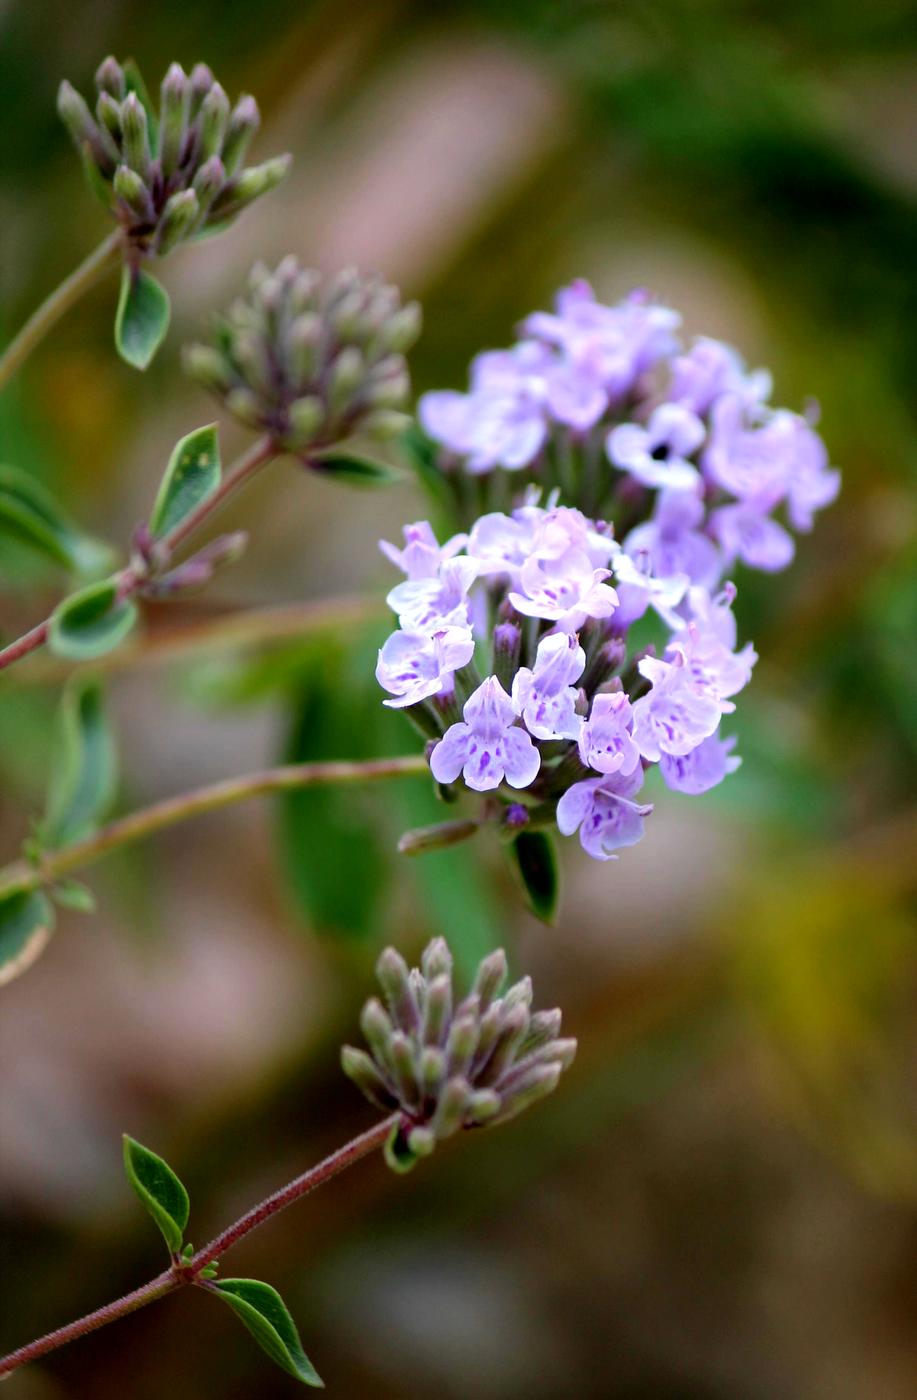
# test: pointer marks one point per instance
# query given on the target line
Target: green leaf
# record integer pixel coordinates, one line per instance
(84, 768)
(536, 860)
(71, 894)
(29, 513)
(26, 924)
(142, 318)
(192, 475)
(353, 467)
(91, 622)
(159, 1189)
(265, 1314)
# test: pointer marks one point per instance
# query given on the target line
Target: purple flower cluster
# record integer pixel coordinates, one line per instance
(562, 713)
(605, 403)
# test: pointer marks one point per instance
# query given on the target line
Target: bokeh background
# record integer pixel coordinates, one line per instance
(720, 1202)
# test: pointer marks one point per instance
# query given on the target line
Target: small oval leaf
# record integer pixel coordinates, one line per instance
(28, 512)
(353, 468)
(84, 767)
(192, 475)
(91, 622)
(265, 1314)
(159, 1189)
(536, 860)
(26, 924)
(142, 318)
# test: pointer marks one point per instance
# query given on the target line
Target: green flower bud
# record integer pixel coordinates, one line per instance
(175, 107)
(213, 121)
(110, 78)
(244, 121)
(136, 139)
(178, 219)
(132, 191)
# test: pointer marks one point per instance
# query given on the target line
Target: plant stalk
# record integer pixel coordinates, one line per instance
(182, 1274)
(61, 299)
(22, 875)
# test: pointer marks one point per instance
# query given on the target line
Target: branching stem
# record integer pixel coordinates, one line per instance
(131, 579)
(184, 1273)
(22, 875)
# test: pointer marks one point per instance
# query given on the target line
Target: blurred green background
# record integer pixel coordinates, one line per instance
(719, 1204)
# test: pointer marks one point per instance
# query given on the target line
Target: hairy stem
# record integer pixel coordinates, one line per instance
(131, 579)
(60, 300)
(182, 1274)
(172, 810)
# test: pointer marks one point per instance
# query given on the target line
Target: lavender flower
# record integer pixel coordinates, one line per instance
(588, 379)
(604, 812)
(701, 769)
(544, 696)
(446, 1066)
(657, 455)
(606, 741)
(487, 747)
(413, 665)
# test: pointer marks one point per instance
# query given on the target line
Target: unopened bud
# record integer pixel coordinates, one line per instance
(213, 120)
(108, 112)
(208, 182)
(462, 1043)
(490, 977)
(110, 78)
(244, 121)
(451, 1107)
(306, 416)
(79, 121)
(250, 185)
(132, 191)
(346, 374)
(207, 366)
(436, 960)
(136, 137)
(507, 646)
(392, 972)
(400, 331)
(434, 838)
(201, 81)
(175, 110)
(246, 406)
(358, 1066)
(178, 219)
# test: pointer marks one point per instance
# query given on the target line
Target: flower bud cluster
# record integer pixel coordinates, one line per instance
(570, 714)
(605, 403)
(310, 359)
(169, 177)
(446, 1066)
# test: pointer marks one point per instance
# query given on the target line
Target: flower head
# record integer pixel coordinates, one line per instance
(445, 1066)
(311, 360)
(166, 179)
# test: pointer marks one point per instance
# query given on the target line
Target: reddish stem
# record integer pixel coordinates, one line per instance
(182, 1274)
